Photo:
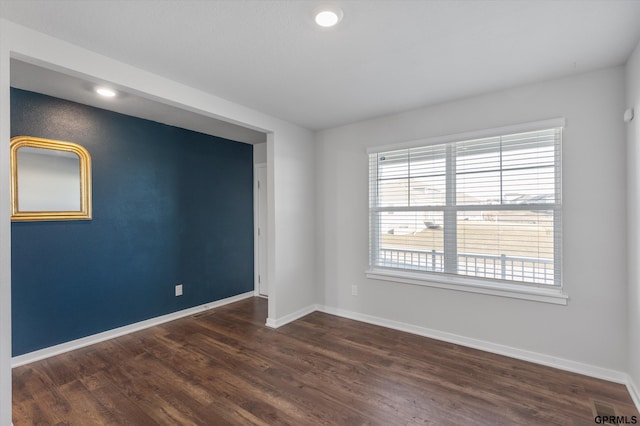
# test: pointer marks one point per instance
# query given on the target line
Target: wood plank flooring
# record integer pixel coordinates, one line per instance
(225, 367)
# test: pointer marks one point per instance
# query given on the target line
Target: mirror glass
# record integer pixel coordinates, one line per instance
(48, 180)
(51, 180)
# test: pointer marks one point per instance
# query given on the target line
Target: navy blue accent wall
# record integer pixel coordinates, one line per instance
(170, 206)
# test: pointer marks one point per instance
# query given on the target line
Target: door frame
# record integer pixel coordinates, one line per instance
(256, 219)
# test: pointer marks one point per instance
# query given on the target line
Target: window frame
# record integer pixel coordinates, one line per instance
(521, 290)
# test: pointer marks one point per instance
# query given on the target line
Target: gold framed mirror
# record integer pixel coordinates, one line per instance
(50, 180)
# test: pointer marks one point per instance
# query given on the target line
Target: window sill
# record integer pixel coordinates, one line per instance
(514, 291)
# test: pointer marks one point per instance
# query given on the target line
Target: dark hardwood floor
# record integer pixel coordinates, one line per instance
(225, 367)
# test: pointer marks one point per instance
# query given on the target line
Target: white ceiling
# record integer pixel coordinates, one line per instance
(384, 57)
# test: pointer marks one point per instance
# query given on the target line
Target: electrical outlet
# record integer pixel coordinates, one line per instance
(354, 290)
(179, 290)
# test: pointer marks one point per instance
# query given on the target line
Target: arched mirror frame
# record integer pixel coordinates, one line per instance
(84, 176)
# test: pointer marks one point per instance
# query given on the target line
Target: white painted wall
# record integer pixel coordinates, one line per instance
(5, 235)
(592, 329)
(633, 163)
(289, 154)
(294, 227)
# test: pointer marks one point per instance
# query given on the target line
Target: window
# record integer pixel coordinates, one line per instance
(486, 209)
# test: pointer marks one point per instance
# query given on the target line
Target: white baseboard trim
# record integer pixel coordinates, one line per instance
(535, 357)
(120, 331)
(633, 391)
(279, 322)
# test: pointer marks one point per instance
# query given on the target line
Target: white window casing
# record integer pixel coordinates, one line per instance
(478, 212)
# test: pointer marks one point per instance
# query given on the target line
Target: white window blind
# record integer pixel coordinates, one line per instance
(486, 208)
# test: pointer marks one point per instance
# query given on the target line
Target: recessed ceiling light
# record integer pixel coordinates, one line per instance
(328, 16)
(106, 92)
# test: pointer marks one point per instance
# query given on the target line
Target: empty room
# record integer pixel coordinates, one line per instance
(319, 212)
